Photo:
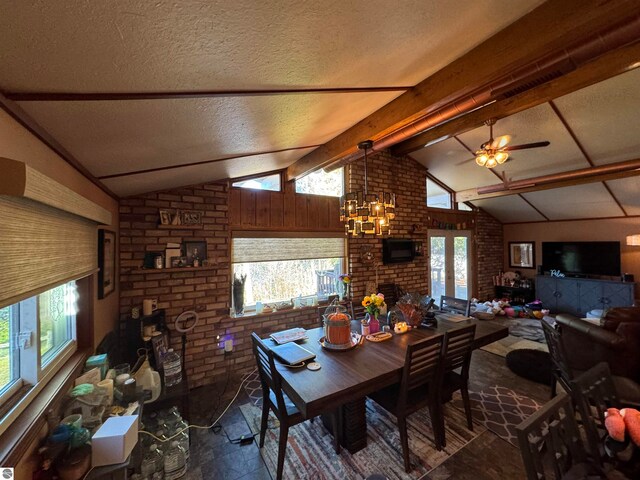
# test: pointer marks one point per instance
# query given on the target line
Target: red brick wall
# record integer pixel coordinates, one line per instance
(407, 179)
(489, 243)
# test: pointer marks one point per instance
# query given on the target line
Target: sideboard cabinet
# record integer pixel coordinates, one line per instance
(578, 296)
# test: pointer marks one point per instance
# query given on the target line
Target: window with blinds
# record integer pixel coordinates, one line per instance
(281, 268)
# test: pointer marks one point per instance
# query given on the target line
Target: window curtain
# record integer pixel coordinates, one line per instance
(270, 249)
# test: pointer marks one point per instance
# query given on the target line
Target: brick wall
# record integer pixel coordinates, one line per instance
(407, 179)
(489, 243)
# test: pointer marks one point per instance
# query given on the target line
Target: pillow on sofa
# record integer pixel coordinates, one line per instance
(615, 316)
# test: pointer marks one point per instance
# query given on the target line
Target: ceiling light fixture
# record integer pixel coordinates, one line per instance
(491, 153)
(634, 240)
(365, 213)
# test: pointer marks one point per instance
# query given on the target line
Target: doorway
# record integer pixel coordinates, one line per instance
(450, 263)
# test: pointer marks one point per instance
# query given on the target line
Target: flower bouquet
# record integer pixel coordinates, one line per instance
(345, 280)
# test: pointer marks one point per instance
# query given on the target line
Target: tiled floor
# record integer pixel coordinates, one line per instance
(214, 457)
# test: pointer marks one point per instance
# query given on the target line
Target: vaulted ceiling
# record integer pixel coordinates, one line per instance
(147, 96)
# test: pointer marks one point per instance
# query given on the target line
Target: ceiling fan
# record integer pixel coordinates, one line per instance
(495, 151)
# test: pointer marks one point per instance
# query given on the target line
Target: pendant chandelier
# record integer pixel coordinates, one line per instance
(367, 213)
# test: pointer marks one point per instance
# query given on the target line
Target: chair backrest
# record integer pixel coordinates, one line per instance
(269, 376)
(325, 282)
(557, 353)
(550, 441)
(422, 365)
(455, 305)
(457, 348)
(593, 392)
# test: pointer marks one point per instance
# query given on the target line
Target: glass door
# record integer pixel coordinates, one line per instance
(450, 263)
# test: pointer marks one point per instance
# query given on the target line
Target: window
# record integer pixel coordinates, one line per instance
(34, 333)
(269, 182)
(330, 184)
(464, 207)
(279, 269)
(437, 196)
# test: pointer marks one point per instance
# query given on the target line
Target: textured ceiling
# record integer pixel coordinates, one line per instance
(87, 45)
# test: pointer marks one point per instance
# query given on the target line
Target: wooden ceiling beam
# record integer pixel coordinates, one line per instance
(549, 27)
(472, 194)
(604, 67)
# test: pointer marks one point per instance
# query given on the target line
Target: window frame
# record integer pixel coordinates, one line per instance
(344, 185)
(259, 175)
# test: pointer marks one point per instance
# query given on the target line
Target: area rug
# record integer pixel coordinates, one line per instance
(500, 410)
(510, 343)
(310, 453)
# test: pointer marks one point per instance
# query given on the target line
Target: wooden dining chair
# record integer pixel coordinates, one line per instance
(457, 348)
(418, 388)
(562, 372)
(275, 399)
(550, 443)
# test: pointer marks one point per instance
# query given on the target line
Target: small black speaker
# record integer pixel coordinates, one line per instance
(627, 277)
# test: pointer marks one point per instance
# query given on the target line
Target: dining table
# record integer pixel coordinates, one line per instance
(346, 377)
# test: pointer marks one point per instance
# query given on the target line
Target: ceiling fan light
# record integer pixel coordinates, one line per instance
(481, 159)
(491, 162)
(501, 157)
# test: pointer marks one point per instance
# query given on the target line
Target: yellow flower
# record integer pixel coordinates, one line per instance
(366, 301)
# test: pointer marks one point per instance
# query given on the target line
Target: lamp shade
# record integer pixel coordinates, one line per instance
(634, 240)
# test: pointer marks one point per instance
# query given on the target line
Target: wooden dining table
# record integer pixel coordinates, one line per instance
(347, 377)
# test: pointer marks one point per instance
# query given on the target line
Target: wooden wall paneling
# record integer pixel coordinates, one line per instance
(248, 207)
(334, 214)
(235, 206)
(302, 211)
(277, 210)
(318, 213)
(263, 207)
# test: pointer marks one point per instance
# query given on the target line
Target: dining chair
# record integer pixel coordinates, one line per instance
(562, 372)
(455, 305)
(457, 348)
(550, 443)
(418, 388)
(275, 399)
(593, 392)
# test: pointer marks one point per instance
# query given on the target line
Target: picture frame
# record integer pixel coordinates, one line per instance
(522, 254)
(165, 217)
(191, 217)
(418, 249)
(193, 247)
(106, 263)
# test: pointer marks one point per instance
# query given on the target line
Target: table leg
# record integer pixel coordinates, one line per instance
(353, 424)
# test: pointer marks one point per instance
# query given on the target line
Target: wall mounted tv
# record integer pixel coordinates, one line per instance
(582, 258)
(397, 250)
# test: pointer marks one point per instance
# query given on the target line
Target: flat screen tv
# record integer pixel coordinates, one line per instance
(397, 250)
(582, 258)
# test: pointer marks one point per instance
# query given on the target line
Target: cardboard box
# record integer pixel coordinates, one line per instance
(114, 440)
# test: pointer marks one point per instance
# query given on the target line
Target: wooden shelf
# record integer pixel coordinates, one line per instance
(180, 227)
(170, 270)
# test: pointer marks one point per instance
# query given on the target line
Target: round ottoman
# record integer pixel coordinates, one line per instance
(531, 364)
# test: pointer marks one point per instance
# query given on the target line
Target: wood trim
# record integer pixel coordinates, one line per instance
(15, 441)
(205, 162)
(260, 175)
(279, 233)
(528, 202)
(548, 28)
(24, 119)
(84, 318)
(145, 271)
(172, 95)
(180, 227)
(574, 137)
(586, 219)
(604, 67)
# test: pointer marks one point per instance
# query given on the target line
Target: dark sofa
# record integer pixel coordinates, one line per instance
(616, 341)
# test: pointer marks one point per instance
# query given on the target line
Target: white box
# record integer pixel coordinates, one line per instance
(114, 440)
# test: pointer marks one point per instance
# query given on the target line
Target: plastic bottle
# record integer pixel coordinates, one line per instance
(152, 462)
(156, 454)
(163, 444)
(172, 368)
(175, 465)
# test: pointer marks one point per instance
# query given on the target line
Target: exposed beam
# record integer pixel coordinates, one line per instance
(24, 119)
(606, 66)
(547, 28)
(120, 96)
(203, 162)
(612, 171)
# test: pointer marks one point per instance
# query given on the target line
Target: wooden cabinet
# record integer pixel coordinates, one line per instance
(578, 296)
(515, 295)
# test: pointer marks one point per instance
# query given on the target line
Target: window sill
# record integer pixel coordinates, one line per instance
(15, 441)
(252, 313)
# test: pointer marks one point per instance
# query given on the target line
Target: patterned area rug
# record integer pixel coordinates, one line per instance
(510, 343)
(500, 410)
(310, 453)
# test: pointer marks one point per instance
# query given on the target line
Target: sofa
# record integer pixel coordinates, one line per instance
(616, 341)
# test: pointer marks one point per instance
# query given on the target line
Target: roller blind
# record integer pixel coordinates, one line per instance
(246, 250)
(41, 247)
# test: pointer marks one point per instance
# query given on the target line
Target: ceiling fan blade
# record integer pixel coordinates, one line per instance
(527, 145)
(500, 142)
(464, 162)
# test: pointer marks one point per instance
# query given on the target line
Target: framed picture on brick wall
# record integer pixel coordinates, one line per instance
(195, 252)
(106, 263)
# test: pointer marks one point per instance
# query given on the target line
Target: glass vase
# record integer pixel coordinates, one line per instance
(374, 323)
